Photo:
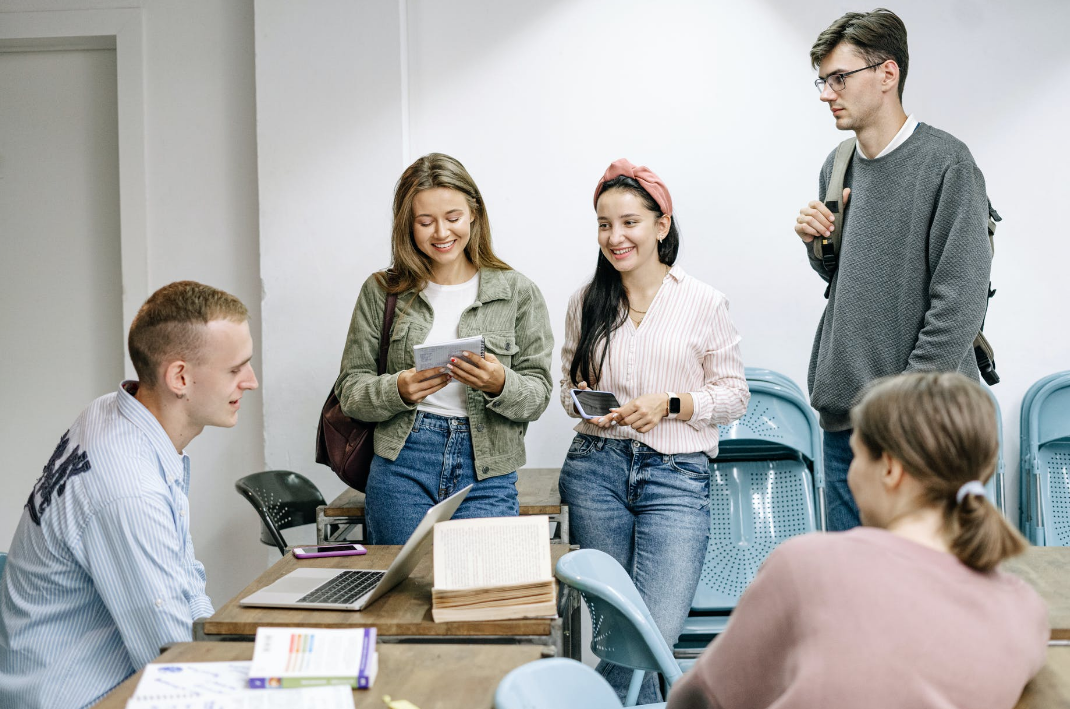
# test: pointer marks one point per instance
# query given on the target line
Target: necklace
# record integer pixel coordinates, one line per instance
(641, 312)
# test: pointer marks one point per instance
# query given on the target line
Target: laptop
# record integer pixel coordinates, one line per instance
(354, 589)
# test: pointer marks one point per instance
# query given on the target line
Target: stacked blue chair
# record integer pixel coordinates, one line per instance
(766, 485)
(995, 487)
(1045, 462)
(557, 683)
(622, 630)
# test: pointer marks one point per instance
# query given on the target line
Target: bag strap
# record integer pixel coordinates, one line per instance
(827, 249)
(384, 336)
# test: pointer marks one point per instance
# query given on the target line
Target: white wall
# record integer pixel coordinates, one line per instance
(537, 98)
(58, 145)
(200, 157)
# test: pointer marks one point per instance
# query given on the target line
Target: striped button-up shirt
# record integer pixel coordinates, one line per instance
(685, 343)
(101, 571)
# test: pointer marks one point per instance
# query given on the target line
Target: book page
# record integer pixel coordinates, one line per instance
(304, 698)
(177, 680)
(495, 551)
(438, 354)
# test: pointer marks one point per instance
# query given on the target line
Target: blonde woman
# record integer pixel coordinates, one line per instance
(908, 612)
(441, 430)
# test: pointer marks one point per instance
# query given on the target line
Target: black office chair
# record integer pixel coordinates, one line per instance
(283, 499)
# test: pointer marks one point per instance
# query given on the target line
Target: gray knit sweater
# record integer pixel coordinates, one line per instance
(912, 284)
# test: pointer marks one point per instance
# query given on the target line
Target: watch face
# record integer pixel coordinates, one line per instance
(674, 405)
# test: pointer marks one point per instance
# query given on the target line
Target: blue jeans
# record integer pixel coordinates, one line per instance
(650, 512)
(842, 510)
(435, 462)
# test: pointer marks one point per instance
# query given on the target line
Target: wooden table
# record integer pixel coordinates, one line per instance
(430, 676)
(1047, 569)
(1050, 689)
(536, 489)
(403, 614)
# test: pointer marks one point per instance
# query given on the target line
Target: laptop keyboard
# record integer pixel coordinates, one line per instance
(344, 588)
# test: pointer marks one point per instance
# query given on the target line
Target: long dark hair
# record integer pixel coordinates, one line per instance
(605, 302)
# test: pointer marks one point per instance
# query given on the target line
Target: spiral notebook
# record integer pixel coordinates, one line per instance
(439, 353)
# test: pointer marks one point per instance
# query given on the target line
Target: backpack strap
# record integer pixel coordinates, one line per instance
(384, 336)
(827, 249)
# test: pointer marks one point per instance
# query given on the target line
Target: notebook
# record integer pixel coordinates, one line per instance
(439, 353)
(349, 589)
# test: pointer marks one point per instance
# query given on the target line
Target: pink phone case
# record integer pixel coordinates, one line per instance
(341, 552)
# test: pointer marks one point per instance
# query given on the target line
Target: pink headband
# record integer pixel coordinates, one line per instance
(644, 176)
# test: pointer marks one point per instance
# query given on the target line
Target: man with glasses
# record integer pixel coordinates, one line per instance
(909, 287)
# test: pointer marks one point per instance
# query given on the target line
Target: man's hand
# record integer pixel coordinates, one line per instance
(484, 374)
(816, 220)
(415, 386)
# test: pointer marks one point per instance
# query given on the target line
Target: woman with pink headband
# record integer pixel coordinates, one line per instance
(637, 480)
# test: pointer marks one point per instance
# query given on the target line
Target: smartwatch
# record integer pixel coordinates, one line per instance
(674, 406)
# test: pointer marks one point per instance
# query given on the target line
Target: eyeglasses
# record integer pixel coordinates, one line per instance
(839, 81)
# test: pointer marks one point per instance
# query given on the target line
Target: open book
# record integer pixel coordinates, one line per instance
(495, 568)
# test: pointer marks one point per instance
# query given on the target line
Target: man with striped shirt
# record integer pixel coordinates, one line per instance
(101, 573)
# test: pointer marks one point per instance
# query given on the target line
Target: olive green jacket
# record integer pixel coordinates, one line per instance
(511, 315)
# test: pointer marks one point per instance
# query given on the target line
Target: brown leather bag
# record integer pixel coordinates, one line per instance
(345, 444)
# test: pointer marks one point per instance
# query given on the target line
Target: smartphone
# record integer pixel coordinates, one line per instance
(592, 404)
(329, 550)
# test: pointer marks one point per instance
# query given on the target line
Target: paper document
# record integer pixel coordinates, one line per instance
(179, 680)
(305, 698)
(439, 353)
(493, 551)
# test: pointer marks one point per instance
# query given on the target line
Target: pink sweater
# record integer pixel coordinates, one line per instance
(869, 619)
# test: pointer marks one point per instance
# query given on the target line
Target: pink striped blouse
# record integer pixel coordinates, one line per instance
(685, 343)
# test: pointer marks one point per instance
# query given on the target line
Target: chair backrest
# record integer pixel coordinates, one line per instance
(760, 374)
(754, 506)
(555, 683)
(622, 630)
(778, 422)
(1045, 469)
(283, 499)
(995, 485)
(1027, 481)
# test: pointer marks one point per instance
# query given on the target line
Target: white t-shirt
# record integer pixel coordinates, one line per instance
(448, 302)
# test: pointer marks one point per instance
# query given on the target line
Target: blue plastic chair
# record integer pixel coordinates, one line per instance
(995, 487)
(762, 492)
(622, 632)
(1046, 461)
(556, 683)
(760, 374)
(1027, 482)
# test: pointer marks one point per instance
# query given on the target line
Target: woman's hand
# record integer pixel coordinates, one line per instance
(642, 413)
(415, 386)
(484, 374)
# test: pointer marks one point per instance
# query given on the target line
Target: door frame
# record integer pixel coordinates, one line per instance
(123, 31)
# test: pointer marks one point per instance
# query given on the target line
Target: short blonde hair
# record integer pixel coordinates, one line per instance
(942, 427)
(170, 325)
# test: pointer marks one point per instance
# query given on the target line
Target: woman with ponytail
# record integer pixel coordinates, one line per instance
(909, 611)
(637, 480)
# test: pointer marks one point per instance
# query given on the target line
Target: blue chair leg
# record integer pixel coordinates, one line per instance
(633, 688)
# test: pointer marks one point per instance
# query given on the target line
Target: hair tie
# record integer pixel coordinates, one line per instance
(644, 176)
(974, 487)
